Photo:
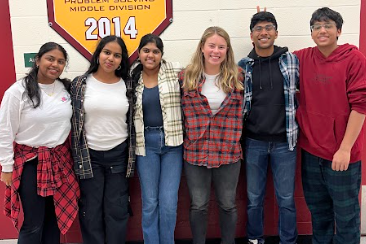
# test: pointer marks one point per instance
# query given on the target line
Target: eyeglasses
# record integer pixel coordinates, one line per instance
(267, 28)
(317, 27)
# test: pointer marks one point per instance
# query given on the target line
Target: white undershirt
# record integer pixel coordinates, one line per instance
(106, 107)
(214, 94)
(47, 125)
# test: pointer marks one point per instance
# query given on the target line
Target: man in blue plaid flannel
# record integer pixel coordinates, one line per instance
(271, 78)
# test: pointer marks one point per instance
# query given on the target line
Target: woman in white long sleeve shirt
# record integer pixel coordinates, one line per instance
(34, 151)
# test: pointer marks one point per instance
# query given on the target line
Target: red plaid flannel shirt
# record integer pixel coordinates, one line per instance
(55, 177)
(212, 140)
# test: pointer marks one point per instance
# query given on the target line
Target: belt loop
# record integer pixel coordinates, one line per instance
(161, 128)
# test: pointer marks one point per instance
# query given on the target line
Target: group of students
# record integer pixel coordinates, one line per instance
(199, 118)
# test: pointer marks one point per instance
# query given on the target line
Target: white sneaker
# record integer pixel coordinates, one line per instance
(252, 241)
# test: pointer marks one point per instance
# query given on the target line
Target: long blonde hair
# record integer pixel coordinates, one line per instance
(229, 74)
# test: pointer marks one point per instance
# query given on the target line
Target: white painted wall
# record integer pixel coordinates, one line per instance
(190, 18)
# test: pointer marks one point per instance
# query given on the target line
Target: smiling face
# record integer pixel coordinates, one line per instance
(263, 36)
(150, 56)
(110, 57)
(325, 34)
(50, 66)
(214, 51)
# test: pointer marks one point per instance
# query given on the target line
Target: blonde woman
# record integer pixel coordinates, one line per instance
(212, 101)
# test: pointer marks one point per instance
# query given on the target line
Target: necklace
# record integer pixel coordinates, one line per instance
(53, 89)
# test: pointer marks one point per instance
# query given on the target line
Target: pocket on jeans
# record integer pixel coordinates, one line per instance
(116, 169)
(154, 140)
(82, 207)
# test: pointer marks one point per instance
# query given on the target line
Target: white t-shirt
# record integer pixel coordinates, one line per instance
(106, 107)
(214, 94)
(47, 125)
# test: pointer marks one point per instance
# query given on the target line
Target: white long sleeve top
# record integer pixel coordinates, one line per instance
(47, 125)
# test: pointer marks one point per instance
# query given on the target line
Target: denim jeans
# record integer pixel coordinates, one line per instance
(159, 172)
(332, 198)
(225, 179)
(258, 155)
(103, 205)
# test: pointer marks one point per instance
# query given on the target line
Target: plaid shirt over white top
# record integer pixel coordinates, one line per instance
(289, 66)
(169, 93)
(79, 145)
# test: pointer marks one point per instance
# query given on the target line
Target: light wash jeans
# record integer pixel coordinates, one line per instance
(258, 155)
(159, 172)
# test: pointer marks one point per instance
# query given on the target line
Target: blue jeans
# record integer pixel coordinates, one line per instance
(258, 155)
(159, 172)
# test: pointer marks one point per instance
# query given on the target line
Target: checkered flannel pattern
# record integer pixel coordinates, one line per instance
(55, 177)
(289, 66)
(212, 140)
(169, 94)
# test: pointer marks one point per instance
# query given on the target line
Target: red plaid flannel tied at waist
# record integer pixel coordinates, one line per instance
(55, 177)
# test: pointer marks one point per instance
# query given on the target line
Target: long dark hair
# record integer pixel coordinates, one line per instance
(31, 79)
(146, 39)
(125, 66)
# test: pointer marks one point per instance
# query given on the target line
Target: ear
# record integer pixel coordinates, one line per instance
(37, 61)
(251, 36)
(339, 32)
(276, 35)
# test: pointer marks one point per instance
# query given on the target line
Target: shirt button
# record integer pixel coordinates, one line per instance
(80, 166)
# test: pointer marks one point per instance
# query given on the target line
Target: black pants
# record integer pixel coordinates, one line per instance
(40, 223)
(104, 198)
(225, 180)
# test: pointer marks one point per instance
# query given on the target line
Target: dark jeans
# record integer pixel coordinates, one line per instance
(104, 198)
(225, 179)
(332, 198)
(40, 223)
